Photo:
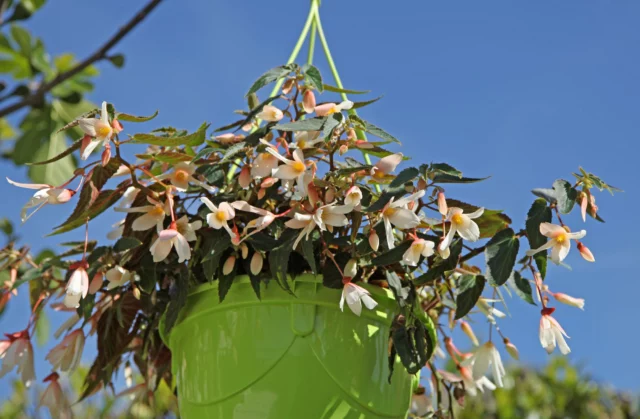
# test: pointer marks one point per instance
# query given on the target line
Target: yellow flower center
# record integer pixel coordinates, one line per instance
(561, 238)
(157, 211)
(298, 166)
(181, 175)
(333, 109)
(220, 216)
(457, 219)
(103, 130)
(379, 174)
(302, 143)
(389, 212)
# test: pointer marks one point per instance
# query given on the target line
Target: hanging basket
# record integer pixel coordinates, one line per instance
(285, 356)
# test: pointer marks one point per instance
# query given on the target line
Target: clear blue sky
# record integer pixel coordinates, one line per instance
(522, 91)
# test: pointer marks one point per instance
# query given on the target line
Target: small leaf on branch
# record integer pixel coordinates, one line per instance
(117, 60)
(538, 213)
(500, 254)
(191, 140)
(490, 222)
(126, 243)
(563, 195)
(469, 291)
(392, 256)
(313, 77)
(334, 89)
(405, 176)
(132, 118)
(521, 286)
(373, 130)
(358, 105)
(271, 76)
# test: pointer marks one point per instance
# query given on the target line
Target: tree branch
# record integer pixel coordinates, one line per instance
(100, 54)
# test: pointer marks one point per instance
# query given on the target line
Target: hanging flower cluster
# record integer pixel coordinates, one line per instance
(286, 189)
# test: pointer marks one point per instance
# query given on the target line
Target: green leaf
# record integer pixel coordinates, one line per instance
(445, 178)
(192, 140)
(501, 253)
(490, 222)
(62, 166)
(384, 199)
(23, 39)
(445, 169)
(117, 60)
(440, 266)
(374, 130)
(178, 293)
(309, 255)
(313, 77)
(279, 259)
(405, 176)
(233, 151)
(334, 89)
(522, 287)
(332, 122)
(42, 329)
(75, 146)
(271, 76)
(148, 274)
(104, 200)
(170, 157)
(563, 195)
(97, 253)
(469, 290)
(126, 243)
(538, 213)
(358, 105)
(225, 282)
(392, 256)
(311, 124)
(213, 249)
(132, 118)
(430, 328)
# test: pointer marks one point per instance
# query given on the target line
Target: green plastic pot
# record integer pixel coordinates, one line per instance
(284, 356)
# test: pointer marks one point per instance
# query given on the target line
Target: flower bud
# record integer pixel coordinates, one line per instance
(244, 178)
(584, 203)
(511, 349)
(228, 138)
(444, 253)
(343, 149)
(128, 374)
(585, 252)
(96, 283)
(466, 328)
(330, 195)
(569, 300)
(287, 86)
(136, 292)
(422, 184)
(452, 319)
(229, 264)
(351, 134)
(256, 263)
(309, 101)
(268, 182)
(117, 126)
(106, 154)
(374, 240)
(261, 193)
(312, 193)
(351, 268)
(244, 249)
(363, 144)
(442, 204)
(247, 127)
(594, 207)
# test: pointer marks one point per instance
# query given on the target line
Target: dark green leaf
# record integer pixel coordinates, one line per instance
(309, 255)
(522, 287)
(445, 169)
(331, 276)
(405, 176)
(147, 272)
(384, 199)
(500, 254)
(214, 247)
(440, 266)
(279, 259)
(469, 290)
(171, 157)
(178, 293)
(311, 124)
(332, 122)
(538, 213)
(347, 91)
(126, 243)
(132, 118)
(404, 346)
(563, 195)
(392, 256)
(117, 60)
(445, 178)
(313, 77)
(358, 105)
(97, 253)
(373, 130)
(271, 76)
(233, 151)
(104, 200)
(192, 140)
(225, 282)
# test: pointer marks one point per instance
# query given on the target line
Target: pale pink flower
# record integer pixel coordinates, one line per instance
(569, 300)
(154, 214)
(585, 252)
(462, 224)
(396, 213)
(270, 114)
(442, 204)
(117, 277)
(182, 175)
(511, 349)
(306, 139)
(488, 310)
(325, 218)
(96, 283)
(77, 287)
(331, 108)
(308, 101)
(167, 239)
(260, 223)
(353, 196)
(46, 194)
(220, 215)
(117, 230)
(291, 169)
(187, 229)
(351, 268)
(552, 334)
(66, 355)
(54, 399)
(559, 243)
(386, 165)
(355, 295)
(99, 129)
(419, 248)
(17, 351)
(264, 164)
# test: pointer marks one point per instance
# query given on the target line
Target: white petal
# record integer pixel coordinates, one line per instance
(448, 238)
(336, 220)
(182, 247)
(577, 235)
(388, 232)
(89, 149)
(549, 244)
(469, 231)
(104, 115)
(404, 218)
(285, 172)
(28, 185)
(146, 221)
(560, 251)
(562, 343)
(88, 125)
(369, 302)
(404, 201)
(160, 249)
(477, 213)
(209, 204)
(550, 230)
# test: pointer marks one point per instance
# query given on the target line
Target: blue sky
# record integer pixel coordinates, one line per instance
(522, 91)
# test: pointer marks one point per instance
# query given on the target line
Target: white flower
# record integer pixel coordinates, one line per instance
(154, 214)
(187, 229)
(46, 194)
(66, 355)
(331, 108)
(551, 333)
(99, 129)
(18, 352)
(353, 196)
(484, 357)
(325, 218)
(166, 240)
(263, 164)
(220, 215)
(270, 113)
(397, 214)
(462, 224)
(560, 242)
(117, 277)
(182, 175)
(355, 295)
(489, 311)
(386, 165)
(77, 286)
(260, 223)
(54, 399)
(569, 300)
(291, 169)
(419, 247)
(483, 382)
(306, 139)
